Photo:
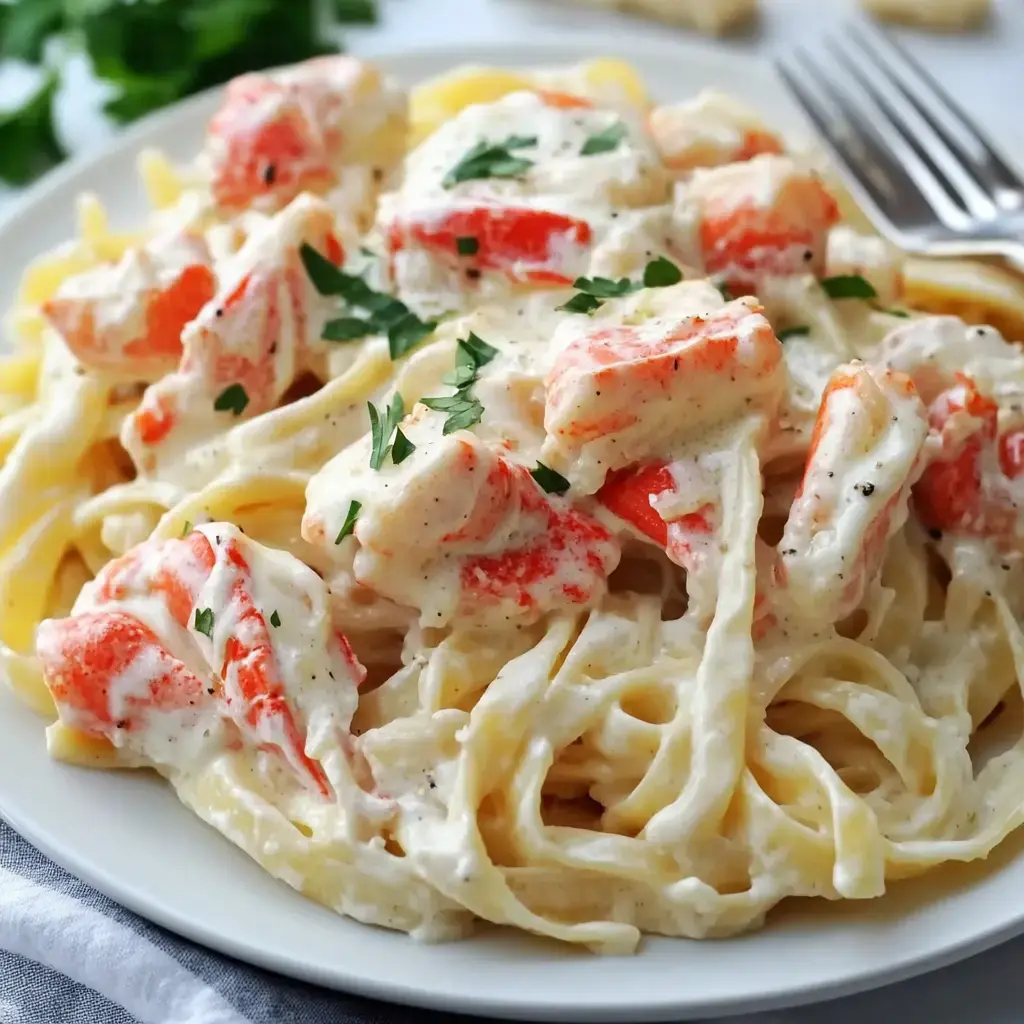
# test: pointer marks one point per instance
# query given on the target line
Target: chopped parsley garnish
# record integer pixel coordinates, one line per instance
(402, 448)
(661, 273)
(581, 302)
(593, 291)
(901, 313)
(347, 328)
(474, 352)
(386, 314)
(800, 331)
(382, 427)
(232, 399)
(848, 286)
(492, 160)
(467, 245)
(354, 507)
(464, 408)
(275, 619)
(28, 140)
(204, 622)
(548, 480)
(405, 334)
(186, 529)
(357, 12)
(604, 141)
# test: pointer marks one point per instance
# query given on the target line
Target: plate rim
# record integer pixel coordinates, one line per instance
(657, 1005)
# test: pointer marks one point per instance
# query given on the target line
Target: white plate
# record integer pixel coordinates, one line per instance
(127, 835)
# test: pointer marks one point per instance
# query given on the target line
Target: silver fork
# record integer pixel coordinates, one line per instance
(926, 176)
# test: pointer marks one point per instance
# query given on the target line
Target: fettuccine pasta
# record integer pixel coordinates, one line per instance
(523, 501)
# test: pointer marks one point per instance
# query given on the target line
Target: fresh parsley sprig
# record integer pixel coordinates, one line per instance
(464, 408)
(203, 622)
(604, 141)
(385, 314)
(549, 481)
(347, 527)
(594, 291)
(491, 160)
(381, 429)
(233, 399)
(848, 286)
(798, 331)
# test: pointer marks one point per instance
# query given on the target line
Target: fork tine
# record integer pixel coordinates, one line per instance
(942, 166)
(929, 98)
(950, 152)
(867, 166)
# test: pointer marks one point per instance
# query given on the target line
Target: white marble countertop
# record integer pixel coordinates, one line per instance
(985, 70)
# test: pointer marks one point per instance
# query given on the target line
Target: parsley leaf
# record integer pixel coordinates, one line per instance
(901, 313)
(661, 273)
(800, 331)
(388, 315)
(548, 480)
(464, 408)
(406, 333)
(460, 376)
(381, 429)
(275, 619)
(204, 622)
(187, 528)
(581, 302)
(604, 141)
(357, 12)
(474, 351)
(354, 508)
(326, 278)
(28, 143)
(232, 399)
(593, 290)
(26, 27)
(848, 286)
(347, 328)
(467, 245)
(464, 417)
(491, 160)
(402, 448)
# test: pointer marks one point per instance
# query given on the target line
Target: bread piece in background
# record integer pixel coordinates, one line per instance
(713, 17)
(944, 15)
(718, 17)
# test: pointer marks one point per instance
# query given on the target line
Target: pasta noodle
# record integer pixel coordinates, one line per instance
(627, 605)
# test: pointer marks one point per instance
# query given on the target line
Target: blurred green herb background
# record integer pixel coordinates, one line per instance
(152, 52)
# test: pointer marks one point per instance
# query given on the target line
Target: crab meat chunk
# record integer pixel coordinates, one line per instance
(864, 456)
(284, 132)
(256, 336)
(460, 530)
(183, 648)
(508, 194)
(759, 219)
(127, 319)
(707, 131)
(658, 366)
(970, 486)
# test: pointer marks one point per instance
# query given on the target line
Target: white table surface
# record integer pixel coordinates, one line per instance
(985, 70)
